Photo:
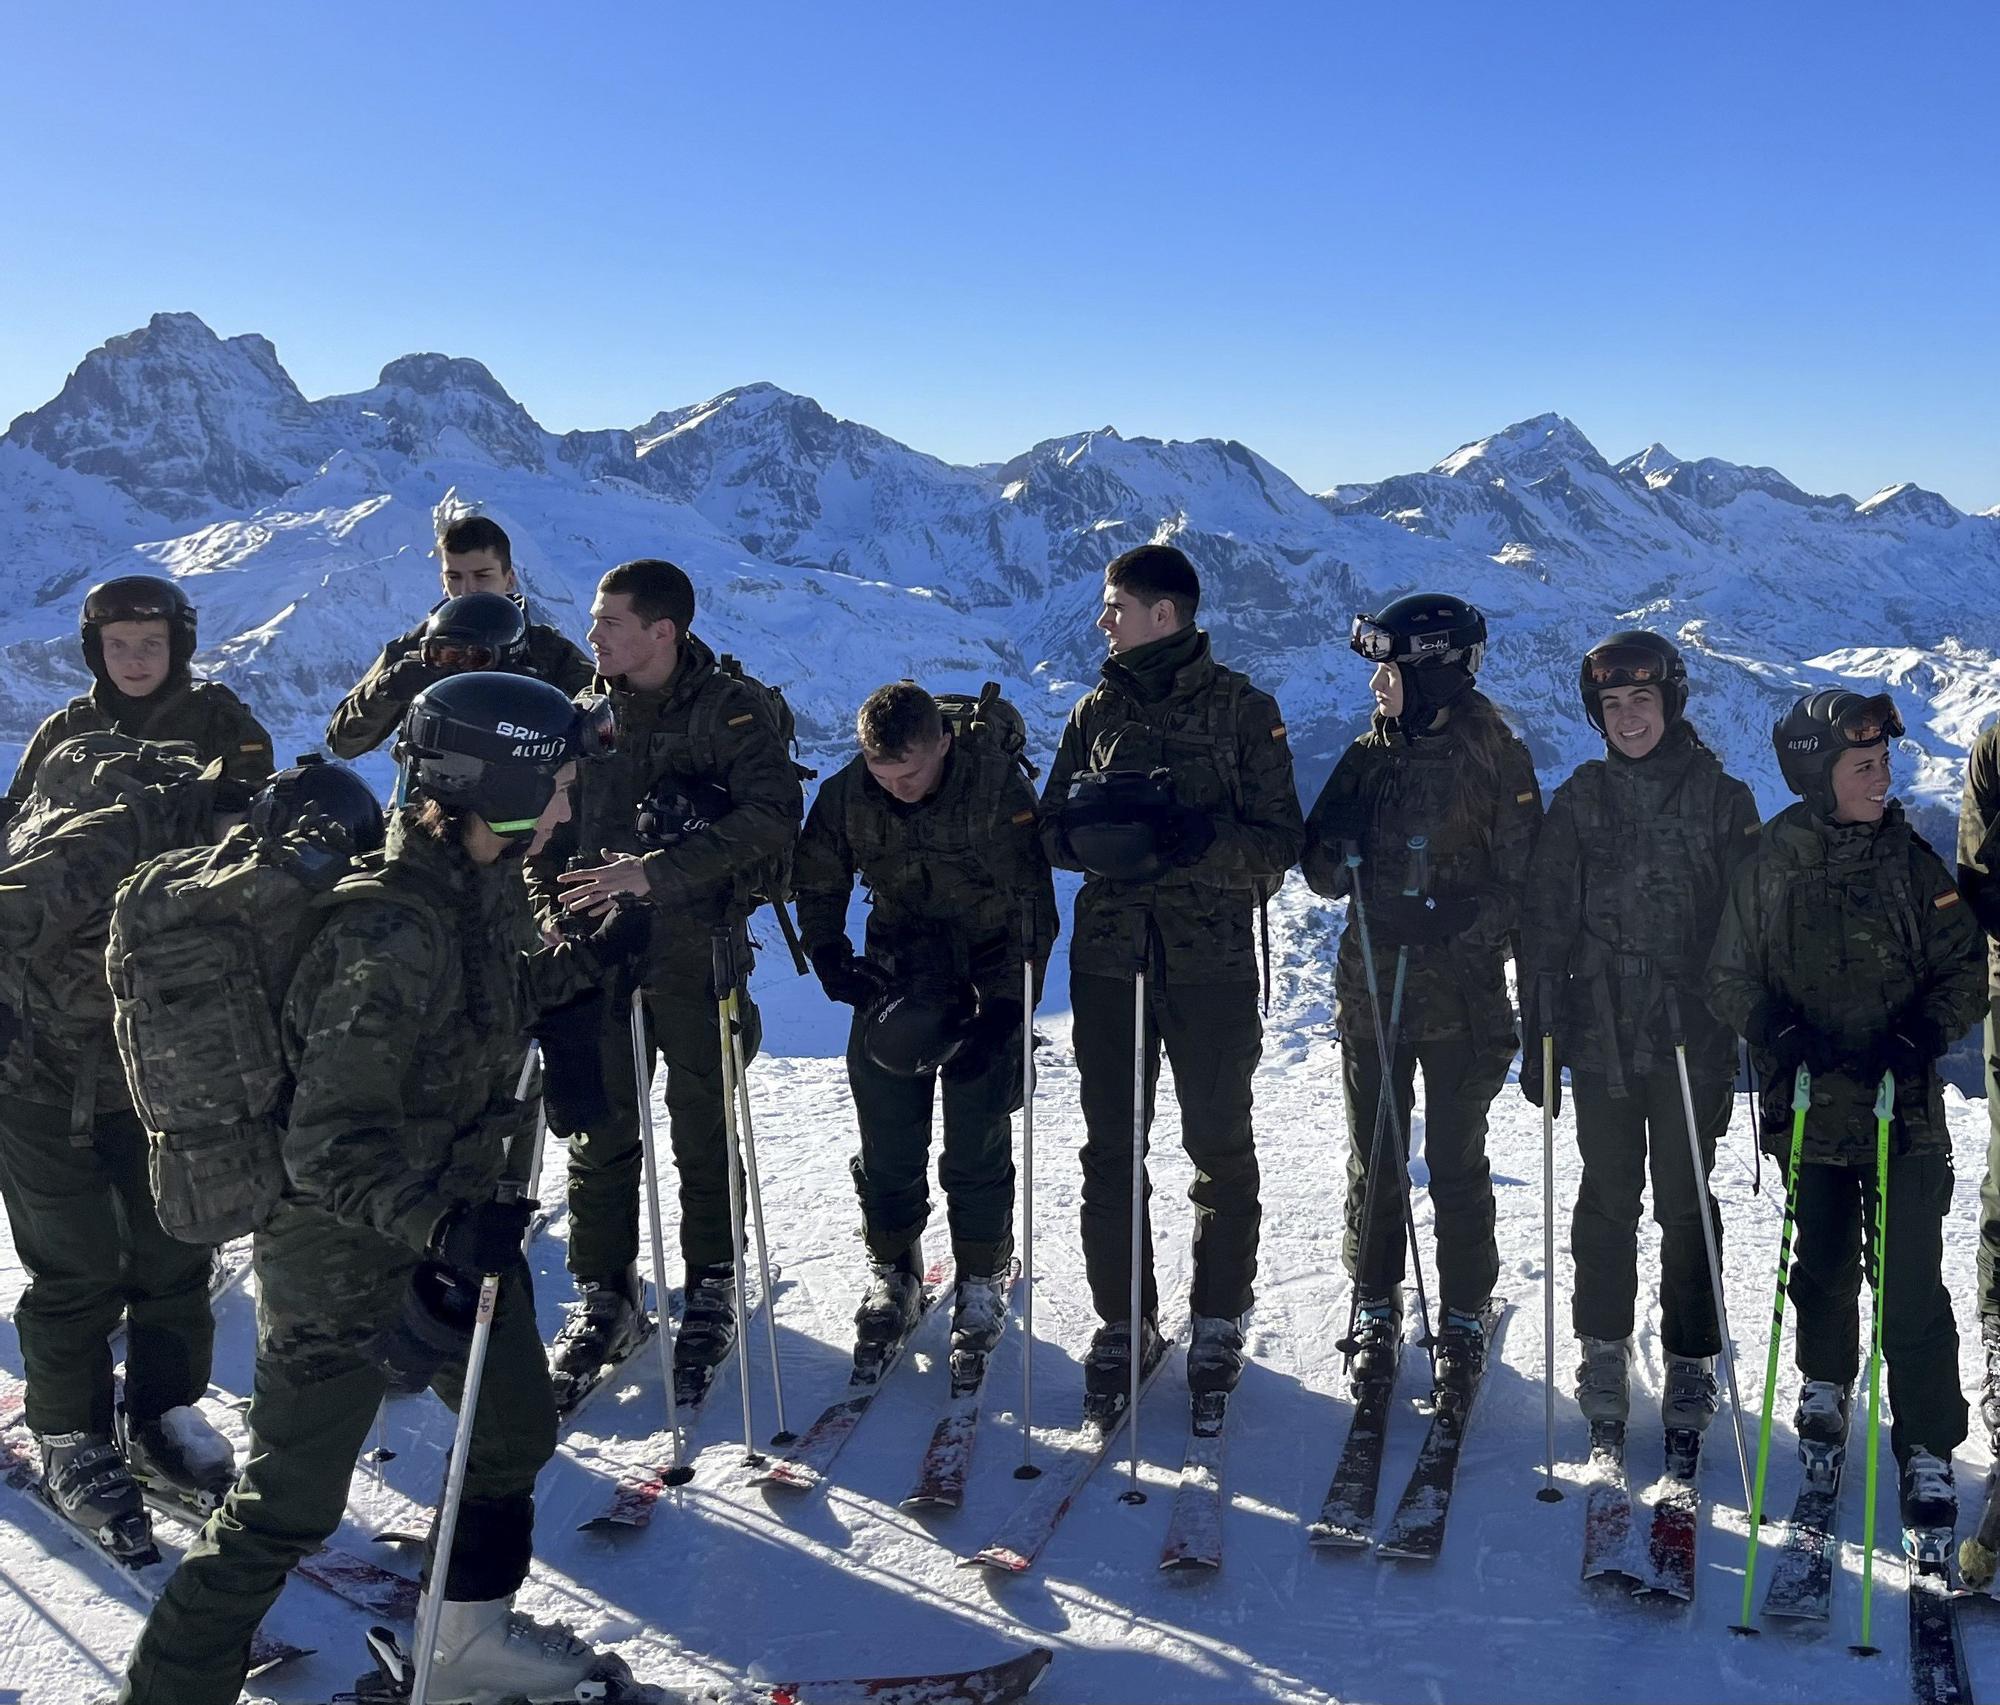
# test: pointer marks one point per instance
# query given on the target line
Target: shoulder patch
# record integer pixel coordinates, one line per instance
(1278, 733)
(739, 721)
(1948, 898)
(1754, 829)
(1024, 816)
(254, 746)
(1523, 798)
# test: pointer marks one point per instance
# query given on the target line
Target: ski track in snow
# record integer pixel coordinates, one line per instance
(730, 1580)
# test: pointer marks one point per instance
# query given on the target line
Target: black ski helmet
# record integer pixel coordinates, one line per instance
(1424, 629)
(137, 598)
(674, 810)
(918, 1024)
(321, 796)
(490, 743)
(1814, 732)
(476, 630)
(1633, 658)
(1111, 820)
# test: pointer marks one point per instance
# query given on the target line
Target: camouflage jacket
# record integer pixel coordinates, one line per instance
(206, 714)
(61, 876)
(1224, 741)
(1403, 788)
(374, 709)
(703, 729)
(1854, 925)
(1978, 839)
(949, 879)
(1622, 899)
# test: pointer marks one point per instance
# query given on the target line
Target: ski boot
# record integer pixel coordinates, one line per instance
(708, 1330)
(978, 1318)
(179, 1459)
(603, 1329)
(488, 1653)
(1686, 1408)
(1107, 1369)
(1821, 1423)
(1460, 1357)
(1604, 1393)
(1377, 1344)
(889, 1312)
(87, 1482)
(1930, 1508)
(1215, 1354)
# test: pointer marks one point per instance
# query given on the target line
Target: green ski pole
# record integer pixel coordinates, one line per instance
(1885, 1107)
(1801, 1100)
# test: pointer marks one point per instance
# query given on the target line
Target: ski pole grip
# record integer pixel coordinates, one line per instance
(722, 963)
(1885, 1096)
(1420, 864)
(1674, 1014)
(1802, 1090)
(527, 1071)
(1545, 1002)
(1350, 853)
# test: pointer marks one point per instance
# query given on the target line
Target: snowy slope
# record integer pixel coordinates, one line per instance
(733, 1580)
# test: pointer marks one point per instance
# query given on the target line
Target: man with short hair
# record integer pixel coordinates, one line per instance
(700, 750)
(138, 637)
(474, 555)
(942, 833)
(1174, 871)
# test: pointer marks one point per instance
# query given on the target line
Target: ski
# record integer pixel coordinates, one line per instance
(1802, 1576)
(804, 1465)
(23, 1473)
(1194, 1530)
(1347, 1515)
(1676, 1522)
(940, 1483)
(1019, 1541)
(999, 1683)
(1416, 1531)
(1609, 1522)
(1937, 1661)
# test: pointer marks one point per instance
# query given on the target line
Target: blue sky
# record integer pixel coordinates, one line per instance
(1350, 236)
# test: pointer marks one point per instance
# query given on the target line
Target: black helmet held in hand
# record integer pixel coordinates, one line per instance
(476, 630)
(1112, 821)
(137, 598)
(919, 1024)
(675, 809)
(1633, 658)
(327, 799)
(492, 744)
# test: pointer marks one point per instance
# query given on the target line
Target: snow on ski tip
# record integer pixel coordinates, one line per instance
(1416, 1530)
(940, 1481)
(1194, 1527)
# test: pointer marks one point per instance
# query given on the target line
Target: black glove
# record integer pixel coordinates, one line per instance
(1776, 1027)
(1532, 1086)
(1408, 920)
(408, 676)
(997, 1026)
(847, 977)
(1913, 1044)
(619, 944)
(572, 1039)
(1185, 834)
(483, 1237)
(1338, 821)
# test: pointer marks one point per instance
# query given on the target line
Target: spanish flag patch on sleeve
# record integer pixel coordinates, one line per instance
(1948, 898)
(1523, 798)
(1278, 733)
(1024, 816)
(738, 721)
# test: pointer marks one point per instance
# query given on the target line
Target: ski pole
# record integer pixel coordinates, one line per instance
(741, 1071)
(1801, 1100)
(454, 1480)
(1706, 1203)
(1027, 1470)
(722, 972)
(1388, 1039)
(1549, 1494)
(678, 1473)
(1132, 1494)
(1885, 1108)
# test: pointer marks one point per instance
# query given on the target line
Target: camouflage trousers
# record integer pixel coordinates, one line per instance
(85, 1229)
(606, 1165)
(976, 1169)
(315, 1399)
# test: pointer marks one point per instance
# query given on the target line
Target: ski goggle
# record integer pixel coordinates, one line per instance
(1626, 666)
(1369, 639)
(1870, 722)
(596, 727)
(444, 652)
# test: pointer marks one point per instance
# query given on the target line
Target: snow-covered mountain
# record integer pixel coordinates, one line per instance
(832, 557)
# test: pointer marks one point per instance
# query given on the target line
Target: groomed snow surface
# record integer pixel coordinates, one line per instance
(730, 1580)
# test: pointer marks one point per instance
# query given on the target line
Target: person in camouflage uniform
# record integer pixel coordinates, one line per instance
(1979, 882)
(73, 1157)
(474, 555)
(1437, 762)
(138, 636)
(405, 1027)
(1845, 948)
(1617, 919)
(943, 834)
(701, 746)
(1183, 909)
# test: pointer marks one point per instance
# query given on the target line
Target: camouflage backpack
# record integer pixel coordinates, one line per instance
(203, 946)
(986, 719)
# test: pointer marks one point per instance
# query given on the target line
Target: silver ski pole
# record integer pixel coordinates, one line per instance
(1132, 1494)
(454, 1480)
(1705, 1205)
(741, 1072)
(1550, 1493)
(725, 1041)
(1027, 1470)
(678, 1473)
(533, 1174)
